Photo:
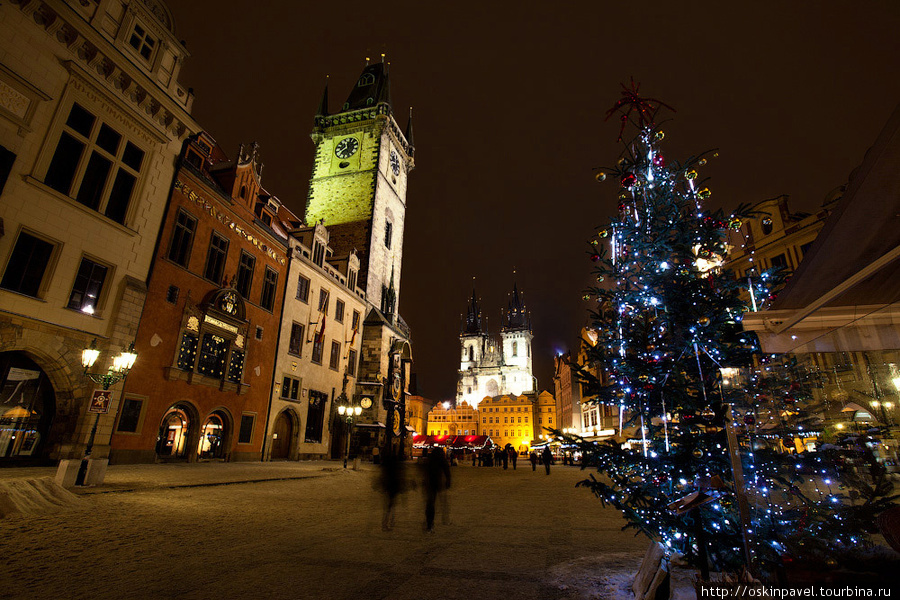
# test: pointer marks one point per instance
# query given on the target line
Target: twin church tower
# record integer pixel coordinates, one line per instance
(492, 367)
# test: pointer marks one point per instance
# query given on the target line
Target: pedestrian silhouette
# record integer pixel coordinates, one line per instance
(546, 456)
(393, 483)
(436, 479)
(533, 458)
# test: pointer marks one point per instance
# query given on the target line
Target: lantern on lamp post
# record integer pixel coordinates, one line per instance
(347, 411)
(99, 404)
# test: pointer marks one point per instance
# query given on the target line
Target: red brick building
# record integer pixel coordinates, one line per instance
(207, 338)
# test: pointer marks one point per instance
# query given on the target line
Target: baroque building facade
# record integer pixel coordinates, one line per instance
(207, 340)
(490, 366)
(92, 119)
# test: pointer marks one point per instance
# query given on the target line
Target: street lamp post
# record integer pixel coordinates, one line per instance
(348, 411)
(117, 371)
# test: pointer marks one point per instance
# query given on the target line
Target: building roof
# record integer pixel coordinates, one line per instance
(863, 230)
(372, 88)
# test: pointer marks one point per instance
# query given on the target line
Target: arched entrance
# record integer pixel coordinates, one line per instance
(174, 431)
(282, 436)
(214, 437)
(27, 407)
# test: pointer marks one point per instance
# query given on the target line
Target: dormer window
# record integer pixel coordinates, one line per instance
(266, 218)
(366, 79)
(142, 41)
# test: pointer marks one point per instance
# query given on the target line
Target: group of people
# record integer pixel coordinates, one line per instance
(435, 479)
(434, 476)
(508, 455)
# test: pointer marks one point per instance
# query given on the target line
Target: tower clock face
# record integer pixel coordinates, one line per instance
(395, 162)
(346, 148)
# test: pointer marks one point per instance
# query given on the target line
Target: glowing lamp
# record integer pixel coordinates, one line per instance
(89, 356)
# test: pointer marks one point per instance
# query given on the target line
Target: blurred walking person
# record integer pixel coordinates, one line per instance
(436, 476)
(392, 484)
(546, 457)
(533, 458)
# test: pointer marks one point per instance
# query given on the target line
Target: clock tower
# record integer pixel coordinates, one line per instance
(358, 189)
(359, 179)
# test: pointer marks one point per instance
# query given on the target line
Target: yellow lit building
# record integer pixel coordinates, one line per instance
(417, 409)
(445, 419)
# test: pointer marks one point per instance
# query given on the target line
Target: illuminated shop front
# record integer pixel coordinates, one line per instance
(27, 406)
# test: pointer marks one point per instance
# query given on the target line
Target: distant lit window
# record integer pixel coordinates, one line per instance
(88, 286)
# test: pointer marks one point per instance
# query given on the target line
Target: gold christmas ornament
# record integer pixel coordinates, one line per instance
(659, 135)
(601, 176)
(604, 233)
(704, 193)
(692, 174)
(704, 321)
(701, 162)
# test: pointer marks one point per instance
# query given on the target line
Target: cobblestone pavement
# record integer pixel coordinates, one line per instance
(511, 534)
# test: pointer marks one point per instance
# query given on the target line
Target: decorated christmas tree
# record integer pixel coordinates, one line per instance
(668, 320)
(720, 456)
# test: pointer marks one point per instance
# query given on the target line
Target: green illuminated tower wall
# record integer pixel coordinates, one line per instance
(359, 179)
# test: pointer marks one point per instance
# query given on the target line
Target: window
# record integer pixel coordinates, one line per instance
(259, 332)
(188, 352)
(351, 279)
(215, 258)
(213, 350)
(318, 253)
(266, 218)
(130, 415)
(335, 360)
(182, 238)
(236, 366)
(142, 41)
(779, 261)
(27, 265)
(351, 363)
(246, 433)
(7, 159)
(339, 310)
(270, 283)
(295, 344)
(303, 289)
(355, 322)
(314, 416)
(94, 164)
(323, 301)
(388, 233)
(245, 274)
(515, 348)
(318, 349)
(88, 286)
(172, 294)
(290, 388)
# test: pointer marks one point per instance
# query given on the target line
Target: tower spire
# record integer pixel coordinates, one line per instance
(409, 130)
(323, 105)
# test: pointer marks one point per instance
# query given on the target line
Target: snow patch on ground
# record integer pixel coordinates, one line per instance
(35, 497)
(610, 576)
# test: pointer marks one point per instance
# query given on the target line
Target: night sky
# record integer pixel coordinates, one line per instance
(509, 100)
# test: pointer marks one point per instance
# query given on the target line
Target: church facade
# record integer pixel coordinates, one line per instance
(491, 366)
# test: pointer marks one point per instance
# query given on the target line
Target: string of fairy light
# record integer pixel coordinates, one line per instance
(668, 321)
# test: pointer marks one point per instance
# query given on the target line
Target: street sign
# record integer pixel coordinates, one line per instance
(100, 401)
